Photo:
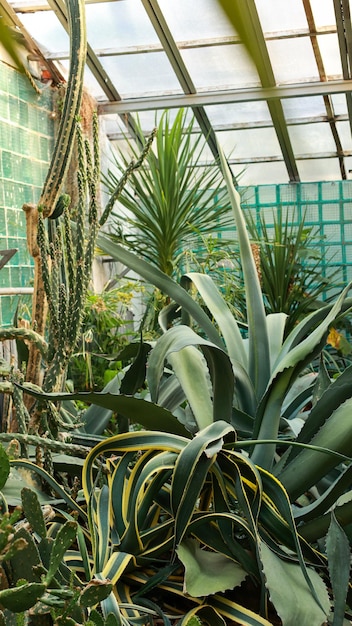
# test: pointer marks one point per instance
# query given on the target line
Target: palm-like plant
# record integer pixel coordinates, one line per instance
(289, 266)
(171, 201)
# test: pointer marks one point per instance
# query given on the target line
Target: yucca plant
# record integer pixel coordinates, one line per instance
(173, 199)
(289, 265)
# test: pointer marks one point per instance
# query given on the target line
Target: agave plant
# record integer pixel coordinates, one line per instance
(293, 437)
(195, 517)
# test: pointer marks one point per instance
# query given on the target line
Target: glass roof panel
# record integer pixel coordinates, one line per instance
(47, 30)
(304, 136)
(220, 66)
(339, 104)
(202, 19)
(239, 113)
(323, 11)
(262, 173)
(150, 119)
(293, 60)
(344, 130)
(250, 143)
(127, 45)
(277, 15)
(318, 169)
(115, 24)
(329, 49)
(295, 108)
(141, 74)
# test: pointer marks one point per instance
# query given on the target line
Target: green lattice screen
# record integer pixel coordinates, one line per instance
(26, 140)
(327, 207)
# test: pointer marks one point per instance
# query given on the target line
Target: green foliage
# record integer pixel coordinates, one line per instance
(289, 266)
(293, 424)
(106, 329)
(171, 201)
(207, 503)
(33, 556)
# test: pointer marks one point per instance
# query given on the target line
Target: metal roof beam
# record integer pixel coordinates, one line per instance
(173, 54)
(95, 66)
(322, 74)
(92, 60)
(218, 128)
(194, 44)
(264, 68)
(256, 94)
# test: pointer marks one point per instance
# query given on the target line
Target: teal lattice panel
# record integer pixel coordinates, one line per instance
(26, 141)
(326, 206)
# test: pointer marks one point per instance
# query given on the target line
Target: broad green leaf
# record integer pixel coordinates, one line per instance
(331, 496)
(206, 612)
(95, 592)
(103, 518)
(139, 411)
(129, 442)
(115, 566)
(237, 613)
(191, 469)
(24, 561)
(259, 358)
(154, 276)
(290, 594)
(334, 395)
(276, 327)
(207, 572)
(18, 599)
(339, 559)
(222, 315)
(178, 346)
(298, 352)
(310, 466)
(190, 368)
(31, 469)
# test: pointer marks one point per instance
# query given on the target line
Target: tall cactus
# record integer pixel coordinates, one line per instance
(67, 263)
(58, 168)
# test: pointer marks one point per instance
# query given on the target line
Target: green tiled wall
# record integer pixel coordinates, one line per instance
(26, 141)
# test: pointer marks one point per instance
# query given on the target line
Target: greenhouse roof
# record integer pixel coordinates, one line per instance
(288, 119)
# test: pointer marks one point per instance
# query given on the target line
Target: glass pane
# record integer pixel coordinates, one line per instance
(263, 173)
(339, 104)
(250, 143)
(319, 169)
(329, 48)
(344, 131)
(117, 24)
(220, 67)
(47, 30)
(323, 11)
(239, 113)
(307, 136)
(141, 74)
(295, 108)
(277, 15)
(293, 60)
(202, 20)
